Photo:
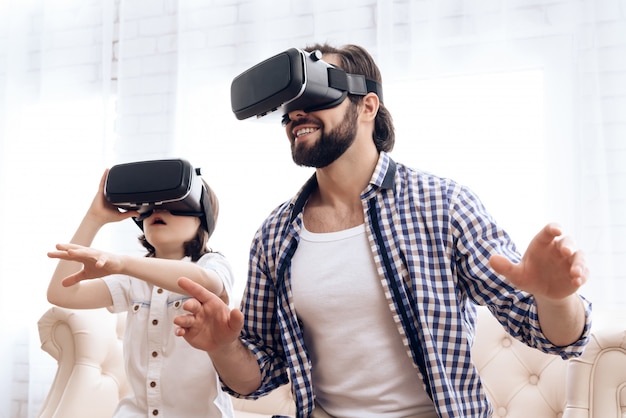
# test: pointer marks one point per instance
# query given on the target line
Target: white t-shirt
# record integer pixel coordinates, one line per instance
(360, 367)
(168, 377)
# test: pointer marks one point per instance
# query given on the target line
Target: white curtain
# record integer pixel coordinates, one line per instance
(524, 101)
(55, 61)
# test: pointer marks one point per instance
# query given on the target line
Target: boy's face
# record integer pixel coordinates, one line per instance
(166, 231)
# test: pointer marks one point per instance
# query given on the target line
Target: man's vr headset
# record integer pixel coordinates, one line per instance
(173, 185)
(295, 80)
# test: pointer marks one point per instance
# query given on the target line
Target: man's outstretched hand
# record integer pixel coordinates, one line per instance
(551, 267)
(210, 324)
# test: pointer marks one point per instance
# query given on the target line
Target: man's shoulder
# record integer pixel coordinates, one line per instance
(424, 177)
(278, 217)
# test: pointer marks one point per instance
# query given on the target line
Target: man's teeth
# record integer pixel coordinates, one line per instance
(305, 131)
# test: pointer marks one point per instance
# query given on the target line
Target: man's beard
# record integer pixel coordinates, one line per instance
(330, 146)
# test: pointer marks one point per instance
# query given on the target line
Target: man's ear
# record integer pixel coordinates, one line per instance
(369, 106)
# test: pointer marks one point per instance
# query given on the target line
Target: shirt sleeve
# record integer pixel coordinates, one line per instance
(477, 237)
(261, 334)
(119, 286)
(219, 264)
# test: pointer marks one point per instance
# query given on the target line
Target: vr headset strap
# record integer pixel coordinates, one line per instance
(353, 83)
(374, 87)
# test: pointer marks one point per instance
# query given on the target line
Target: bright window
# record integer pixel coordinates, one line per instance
(485, 131)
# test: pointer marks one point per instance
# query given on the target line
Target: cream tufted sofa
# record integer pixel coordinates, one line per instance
(521, 382)
(90, 378)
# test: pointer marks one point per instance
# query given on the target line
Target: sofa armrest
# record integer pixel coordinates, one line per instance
(90, 378)
(597, 379)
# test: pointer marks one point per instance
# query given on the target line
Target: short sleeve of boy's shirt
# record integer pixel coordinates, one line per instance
(218, 263)
(125, 288)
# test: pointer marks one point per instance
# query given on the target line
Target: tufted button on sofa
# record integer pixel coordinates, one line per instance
(520, 382)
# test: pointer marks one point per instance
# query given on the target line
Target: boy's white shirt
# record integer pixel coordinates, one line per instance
(165, 373)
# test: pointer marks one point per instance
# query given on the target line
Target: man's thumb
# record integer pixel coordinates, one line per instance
(501, 264)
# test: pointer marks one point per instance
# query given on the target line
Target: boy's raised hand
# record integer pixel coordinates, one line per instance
(96, 263)
(103, 210)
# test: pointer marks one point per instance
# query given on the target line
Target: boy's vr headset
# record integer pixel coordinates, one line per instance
(295, 80)
(172, 185)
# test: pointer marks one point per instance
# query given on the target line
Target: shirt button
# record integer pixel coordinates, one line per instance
(155, 412)
(155, 321)
(152, 384)
(136, 308)
(177, 304)
(154, 354)
(159, 291)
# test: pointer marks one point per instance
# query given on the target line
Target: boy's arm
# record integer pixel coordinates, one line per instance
(94, 293)
(156, 271)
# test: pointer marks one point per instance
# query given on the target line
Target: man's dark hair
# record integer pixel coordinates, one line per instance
(356, 60)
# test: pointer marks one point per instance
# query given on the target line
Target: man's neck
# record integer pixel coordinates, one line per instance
(345, 179)
(336, 204)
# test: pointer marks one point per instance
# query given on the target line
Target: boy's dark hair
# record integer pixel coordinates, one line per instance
(197, 246)
(356, 60)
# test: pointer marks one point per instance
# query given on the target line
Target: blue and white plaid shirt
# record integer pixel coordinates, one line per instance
(431, 240)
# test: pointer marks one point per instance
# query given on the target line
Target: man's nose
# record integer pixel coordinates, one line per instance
(296, 114)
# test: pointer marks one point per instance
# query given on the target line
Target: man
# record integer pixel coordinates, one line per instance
(362, 288)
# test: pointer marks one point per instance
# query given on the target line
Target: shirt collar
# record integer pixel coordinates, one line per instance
(384, 173)
(298, 202)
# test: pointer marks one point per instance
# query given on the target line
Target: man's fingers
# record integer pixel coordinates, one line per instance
(236, 319)
(192, 305)
(73, 279)
(194, 289)
(184, 321)
(579, 269)
(549, 233)
(554, 229)
(500, 264)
